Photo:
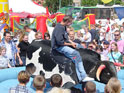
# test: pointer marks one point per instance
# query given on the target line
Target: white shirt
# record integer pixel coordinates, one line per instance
(88, 35)
(122, 35)
(31, 36)
(8, 51)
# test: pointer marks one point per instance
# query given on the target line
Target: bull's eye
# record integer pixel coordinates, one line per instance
(108, 73)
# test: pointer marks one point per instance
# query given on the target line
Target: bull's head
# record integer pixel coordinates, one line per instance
(104, 70)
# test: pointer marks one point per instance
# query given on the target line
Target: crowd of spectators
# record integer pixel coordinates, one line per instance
(39, 84)
(108, 43)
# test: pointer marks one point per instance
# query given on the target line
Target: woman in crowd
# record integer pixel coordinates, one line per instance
(114, 55)
(23, 45)
(4, 62)
(47, 36)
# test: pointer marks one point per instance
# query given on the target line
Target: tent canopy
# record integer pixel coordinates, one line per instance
(25, 6)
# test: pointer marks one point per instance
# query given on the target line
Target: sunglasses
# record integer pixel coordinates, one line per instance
(116, 34)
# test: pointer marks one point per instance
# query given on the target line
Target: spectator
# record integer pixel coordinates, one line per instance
(119, 41)
(114, 55)
(23, 46)
(39, 83)
(102, 34)
(93, 33)
(111, 32)
(92, 46)
(87, 36)
(11, 49)
(4, 62)
(79, 35)
(90, 87)
(100, 22)
(59, 90)
(113, 86)
(38, 36)
(122, 32)
(31, 34)
(69, 28)
(82, 30)
(16, 36)
(23, 79)
(99, 50)
(105, 49)
(72, 37)
(56, 80)
(30, 69)
(84, 44)
(47, 36)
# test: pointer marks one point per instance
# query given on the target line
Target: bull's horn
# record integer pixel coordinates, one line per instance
(119, 64)
(99, 70)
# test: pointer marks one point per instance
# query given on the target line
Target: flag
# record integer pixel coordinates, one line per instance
(108, 29)
(106, 1)
(41, 24)
(77, 25)
(47, 11)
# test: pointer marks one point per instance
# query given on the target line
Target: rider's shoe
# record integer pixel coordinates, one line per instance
(87, 79)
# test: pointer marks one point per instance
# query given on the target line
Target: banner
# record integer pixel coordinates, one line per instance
(106, 1)
(16, 25)
(77, 25)
(120, 12)
(41, 24)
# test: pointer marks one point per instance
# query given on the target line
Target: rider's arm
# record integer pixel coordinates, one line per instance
(70, 44)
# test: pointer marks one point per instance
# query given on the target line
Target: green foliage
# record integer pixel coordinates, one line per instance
(95, 2)
(53, 5)
(89, 2)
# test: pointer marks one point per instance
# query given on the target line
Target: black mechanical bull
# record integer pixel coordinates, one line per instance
(102, 71)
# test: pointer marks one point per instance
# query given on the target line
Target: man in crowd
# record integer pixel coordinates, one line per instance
(11, 49)
(119, 41)
(31, 34)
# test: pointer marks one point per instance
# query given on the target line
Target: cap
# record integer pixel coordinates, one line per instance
(106, 42)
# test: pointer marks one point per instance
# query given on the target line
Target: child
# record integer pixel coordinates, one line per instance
(39, 83)
(23, 79)
(113, 86)
(4, 62)
(90, 87)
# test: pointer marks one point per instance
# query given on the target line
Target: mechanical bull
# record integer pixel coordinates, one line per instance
(101, 71)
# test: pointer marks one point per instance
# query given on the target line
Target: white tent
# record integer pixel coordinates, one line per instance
(25, 6)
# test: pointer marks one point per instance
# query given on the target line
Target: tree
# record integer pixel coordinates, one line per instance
(95, 2)
(53, 5)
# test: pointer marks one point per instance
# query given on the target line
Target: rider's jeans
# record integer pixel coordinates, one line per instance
(76, 58)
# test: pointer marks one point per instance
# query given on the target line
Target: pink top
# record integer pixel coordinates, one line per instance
(120, 44)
